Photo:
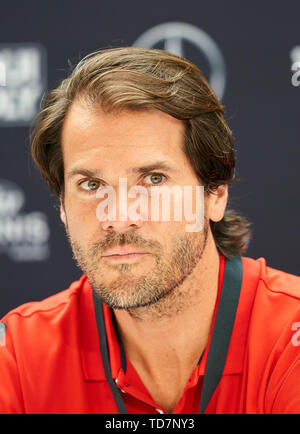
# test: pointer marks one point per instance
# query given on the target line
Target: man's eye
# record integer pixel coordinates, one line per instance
(90, 185)
(155, 178)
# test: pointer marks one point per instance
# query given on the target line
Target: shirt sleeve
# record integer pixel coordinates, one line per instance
(11, 401)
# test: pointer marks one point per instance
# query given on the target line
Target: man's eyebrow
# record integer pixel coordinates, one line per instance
(81, 171)
(158, 165)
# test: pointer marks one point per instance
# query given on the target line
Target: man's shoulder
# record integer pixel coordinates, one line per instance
(268, 329)
(60, 301)
(274, 280)
(275, 304)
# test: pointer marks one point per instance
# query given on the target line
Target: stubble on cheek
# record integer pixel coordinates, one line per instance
(121, 286)
(103, 274)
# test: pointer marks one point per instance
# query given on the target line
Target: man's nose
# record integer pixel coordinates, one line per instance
(121, 225)
(115, 212)
(119, 217)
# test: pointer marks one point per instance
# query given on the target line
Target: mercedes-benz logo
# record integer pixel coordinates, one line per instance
(173, 35)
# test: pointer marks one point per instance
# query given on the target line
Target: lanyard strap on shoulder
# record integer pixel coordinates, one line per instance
(104, 354)
(228, 303)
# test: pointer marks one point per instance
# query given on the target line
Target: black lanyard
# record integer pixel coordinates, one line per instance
(227, 307)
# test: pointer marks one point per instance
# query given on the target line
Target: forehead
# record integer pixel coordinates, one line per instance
(122, 127)
(90, 132)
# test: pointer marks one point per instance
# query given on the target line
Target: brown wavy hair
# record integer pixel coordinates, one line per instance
(140, 79)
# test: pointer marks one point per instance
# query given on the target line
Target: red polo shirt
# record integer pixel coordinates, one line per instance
(50, 360)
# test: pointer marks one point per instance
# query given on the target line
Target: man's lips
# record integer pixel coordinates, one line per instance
(119, 251)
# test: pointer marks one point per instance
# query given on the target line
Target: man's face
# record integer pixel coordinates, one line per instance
(145, 147)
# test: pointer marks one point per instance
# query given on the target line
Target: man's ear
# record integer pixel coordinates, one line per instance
(62, 210)
(217, 203)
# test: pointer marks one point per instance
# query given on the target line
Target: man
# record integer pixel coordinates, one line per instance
(165, 318)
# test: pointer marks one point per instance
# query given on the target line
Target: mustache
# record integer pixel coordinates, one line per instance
(114, 239)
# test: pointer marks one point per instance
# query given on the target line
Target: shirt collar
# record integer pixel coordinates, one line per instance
(89, 340)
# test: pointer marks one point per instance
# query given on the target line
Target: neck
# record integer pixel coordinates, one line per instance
(155, 342)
